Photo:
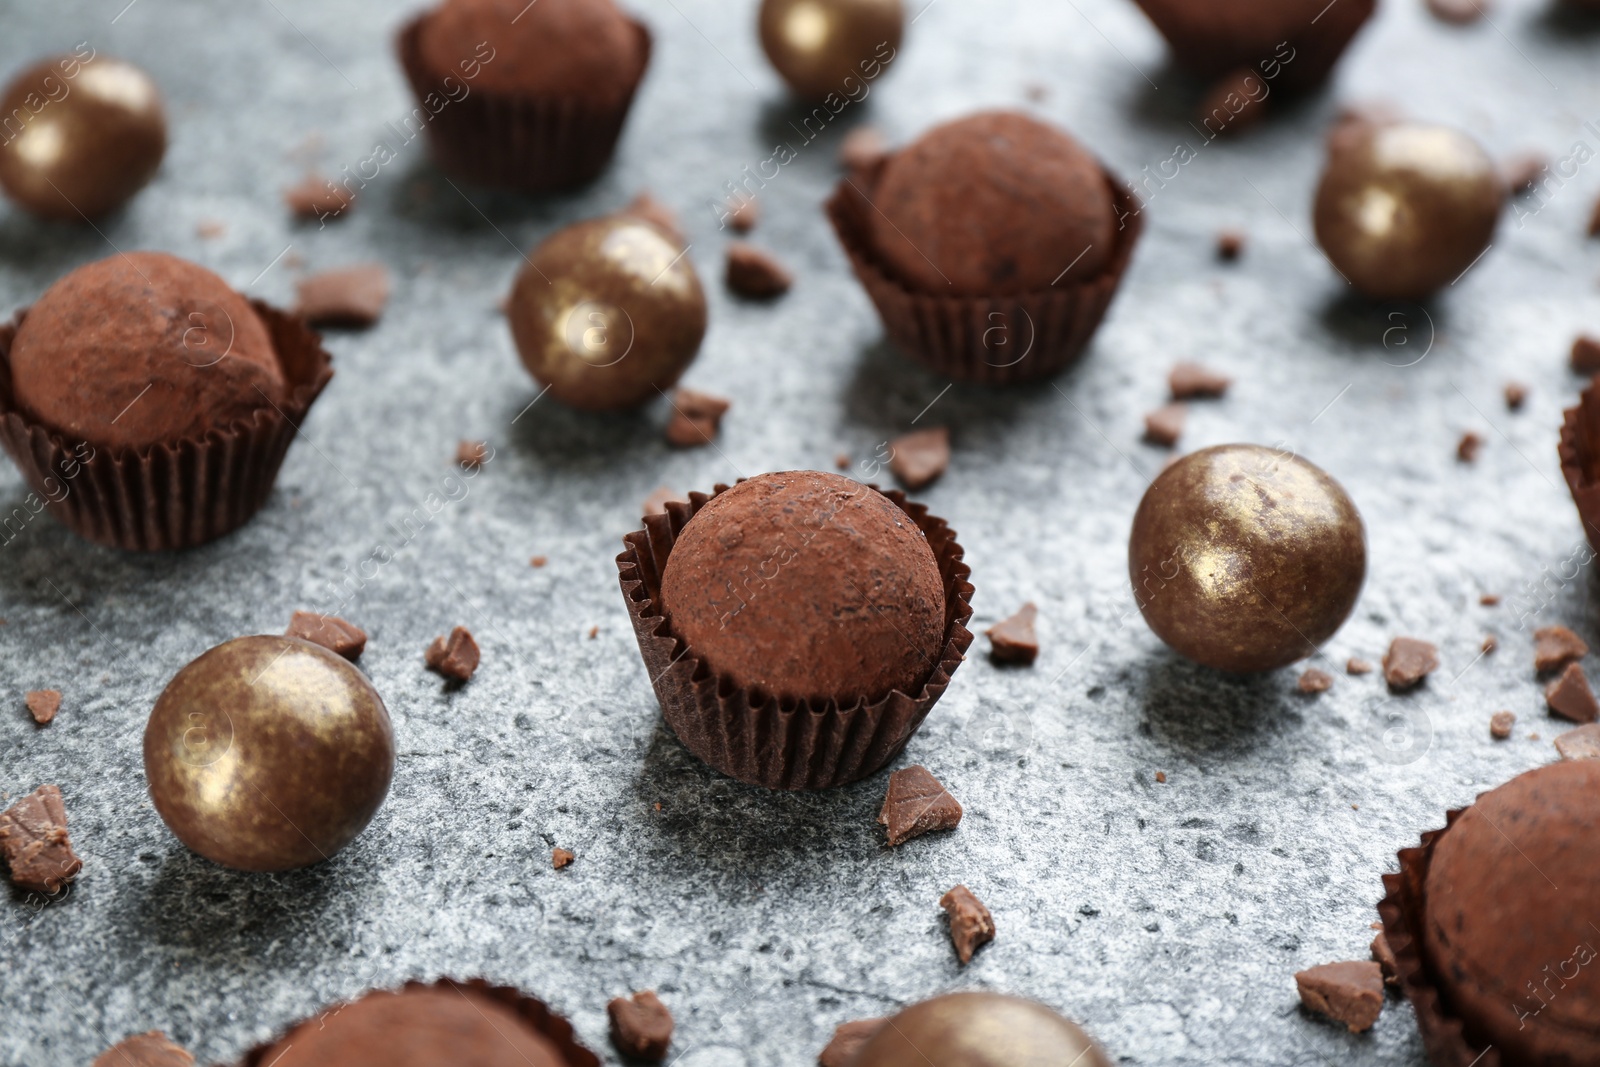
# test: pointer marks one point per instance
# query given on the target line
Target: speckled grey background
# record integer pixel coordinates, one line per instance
(1168, 918)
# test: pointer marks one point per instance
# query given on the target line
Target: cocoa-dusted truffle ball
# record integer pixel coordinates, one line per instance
(1404, 208)
(566, 48)
(1294, 42)
(1509, 902)
(142, 349)
(808, 586)
(81, 136)
(268, 753)
(1246, 558)
(823, 47)
(980, 1030)
(993, 204)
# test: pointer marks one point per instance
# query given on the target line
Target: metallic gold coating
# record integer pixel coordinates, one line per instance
(1244, 558)
(268, 753)
(607, 313)
(830, 46)
(980, 1030)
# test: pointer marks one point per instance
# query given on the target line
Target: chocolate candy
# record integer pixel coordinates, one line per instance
(823, 47)
(583, 49)
(980, 1030)
(1292, 44)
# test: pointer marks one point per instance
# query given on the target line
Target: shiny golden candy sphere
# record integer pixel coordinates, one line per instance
(79, 137)
(980, 1030)
(1404, 208)
(608, 313)
(1246, 558)
(831, 46)
(268, 753)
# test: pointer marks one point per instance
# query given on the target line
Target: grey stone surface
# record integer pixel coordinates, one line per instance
(1167, 918)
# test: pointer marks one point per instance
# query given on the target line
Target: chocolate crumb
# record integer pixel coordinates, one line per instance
(350, 296)
(1013, 640)
(1521, 172)
(842, 461)
(209, 229)
(1467, 448)
(971, 925)
(1489, 600)
(1315, 681)
(743, 213)
(862, 147)
(455, 657)
(917, 803)
(1570, 697)
(43, 704)
(538, 561)
(1383, 955)
(317, 198)
(656, 503)
(1582, 743)
(594, 632)
(1594, 220)
(34, 841)
(696, 417)
(1556, 646)
(1408, 662)
(329, 631)
(641, 1027)
(1230, 245)
(153, 1049)
(847, 1041)
(472, 455)
(756, 274)
(647, 207)
(1357, 666)
(1161, 777)
(1350, 993)
(1500, 725)
(1164, 425)
(1516, 396)
(1191, 381)
(1490, 643)
(560, 857)
(1533, 737)
(918, 458)
(1459, 12)
(1585, 356)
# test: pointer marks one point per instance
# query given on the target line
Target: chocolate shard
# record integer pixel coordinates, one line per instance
(641, 1026)
(1468, 447)
(472, 455)
(1570, 697)
(1408, 662)
(1582, 743)
(561, 857)
(1164, 425)
(1556, 646)
(971, 925)
(1357, 666)
(153, 1049)
(1315, 681)
(34, 841)
(755, 273)
(1500, 725)
(1516, 396)
(329, 631)
(917, 803)
(1384, 957)
(918, 458)
(696, 418)
(1349, 993)
(1013, 640)
(43, 704)
(351, 296)
(847, 1041)
(1190, 381)
(455, 657)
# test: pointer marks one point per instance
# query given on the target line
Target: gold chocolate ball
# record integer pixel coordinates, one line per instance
(608, 313)
(1404, 208)
(79, 136)
(831, 46)
(980, 1030)
(1246, 558)
(268, 753)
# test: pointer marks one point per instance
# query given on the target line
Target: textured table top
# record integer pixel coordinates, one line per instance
(1168, 918)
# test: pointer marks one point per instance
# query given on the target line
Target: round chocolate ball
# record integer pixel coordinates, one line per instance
(80, 136)
(1507, 928)
(807, 586)
(996, 203)
(980, 1030)
(553, 48)
(823, 47)
(1404, 208)
(1246, 558)
(268, 753)
(143, 349)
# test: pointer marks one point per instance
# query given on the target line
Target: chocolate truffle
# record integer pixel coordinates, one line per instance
(81, 135)
(140, 350)
(608, 313)
(564, 48)
(1245, 558)
(831, 47)
(980, 1030)
(807, 586)
(993, 204)
(1293, 43)
(268, 753)
(1404, 208)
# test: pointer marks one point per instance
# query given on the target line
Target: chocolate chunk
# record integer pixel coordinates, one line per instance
(33, 838)
(329, 631)
(1458, 12)
(756, 274)
(1570, 697)
(561, 857)
(1585, 357)
(641, 1027)
(971, 925)
(847, 1041)
(1013, 640)
(1230, 245)
(1594, 220)
(1350, 993)
(43, 704)
(472, 455)
(1556, 646)
(1383, 955)
(743, 213)
(1189, 381)
(862, 147)
(1500, 724)
(1523, 171)
(1582, 743)
(538, 561)
(455, 657)
(1490, 643)
(1489, 600)
(916, 803)
(656, 503)
(647, 207)
(351, 296)
(1164, 425)
(918, 458)
(594, 632)
(153, 1049)
(1516, 396)
(1467, 448)
(1315, 681)
(696, 418)
(1161, 777)
(842, 461)
(1408, 662)
(1357, 666)
(317, 198)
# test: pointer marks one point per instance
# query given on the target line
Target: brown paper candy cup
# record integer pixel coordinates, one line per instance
(998, 340)
(176, 495)
(531, 144)
(1580, 458)
(533, 1011)
(755, 737)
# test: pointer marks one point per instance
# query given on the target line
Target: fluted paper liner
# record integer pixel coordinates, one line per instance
(757, 738)
(173, 495)
(532, 144)
(1580, 458)
(974, 338)
(531, 1010)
